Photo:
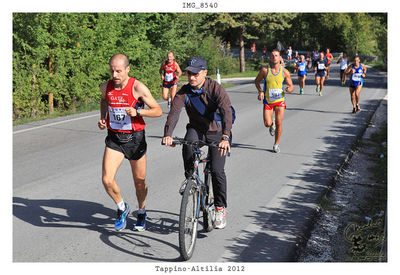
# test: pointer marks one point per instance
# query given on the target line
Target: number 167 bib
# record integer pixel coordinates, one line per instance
(119, 119)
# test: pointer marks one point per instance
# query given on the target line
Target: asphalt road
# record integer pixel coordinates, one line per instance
(61, 212)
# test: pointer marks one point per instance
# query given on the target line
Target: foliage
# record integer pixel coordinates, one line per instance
(60, 59)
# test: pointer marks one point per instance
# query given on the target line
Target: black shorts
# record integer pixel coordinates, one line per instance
(133, 145)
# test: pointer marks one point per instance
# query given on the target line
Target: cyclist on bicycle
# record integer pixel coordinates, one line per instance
(202, 127)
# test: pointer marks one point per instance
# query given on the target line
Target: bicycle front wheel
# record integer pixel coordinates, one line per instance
(188, 220)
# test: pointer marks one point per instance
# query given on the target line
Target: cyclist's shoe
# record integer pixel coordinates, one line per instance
(140, 222)
(220, 218)
(276, 148)
(183, 187)
(120, 222)
(272, 128)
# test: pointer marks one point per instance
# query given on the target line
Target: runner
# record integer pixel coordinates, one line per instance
(320, 66)
(328, 57)
(169, 76)
(343, 61)
(253, 49)
(273, 95)
(289, 53)
(296, 60)
(302, 73)
(308, 61)
(264, 51)
(315, 56)
(122, 100)
(358, 72)
(206, 92)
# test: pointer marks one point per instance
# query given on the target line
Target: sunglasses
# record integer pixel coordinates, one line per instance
(189, 73)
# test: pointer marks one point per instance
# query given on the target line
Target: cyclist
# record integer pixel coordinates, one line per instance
(273, 95)
(122, 99)
(343, 61)
(201, 127)
(320, 66)
(358, 72)
(302, 73)
(170, 73)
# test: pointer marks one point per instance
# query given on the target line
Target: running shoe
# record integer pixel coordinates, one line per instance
(276, 148)
(220, 218)
(320, 93)
(140, 222)
(301, 91)
(317, 89)
(169, 103)
(354, 110)
(358, 108)
(120, 222)
(272, 128)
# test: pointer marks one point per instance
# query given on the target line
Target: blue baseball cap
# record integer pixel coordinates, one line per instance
(196, 64)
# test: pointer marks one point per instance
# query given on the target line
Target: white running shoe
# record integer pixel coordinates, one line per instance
(276, 148)
(220, 218)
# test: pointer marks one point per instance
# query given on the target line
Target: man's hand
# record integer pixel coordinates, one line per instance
(102, 124)
(260, 96)
(131, 111)
(224, 147)
(167, 141)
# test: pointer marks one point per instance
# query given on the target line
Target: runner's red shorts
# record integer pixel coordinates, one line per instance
(273, 105)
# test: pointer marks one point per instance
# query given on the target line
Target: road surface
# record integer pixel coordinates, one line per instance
(61, 212)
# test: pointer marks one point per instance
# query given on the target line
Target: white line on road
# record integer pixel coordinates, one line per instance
(52, 124)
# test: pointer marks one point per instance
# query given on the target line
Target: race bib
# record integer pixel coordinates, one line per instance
(321, 66)
(169, 77)
(356, 77)
(275, 94)
(119, 119)
(302, 67)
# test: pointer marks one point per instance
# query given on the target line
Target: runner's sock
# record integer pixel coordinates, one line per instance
(121, 205)
(141, 211)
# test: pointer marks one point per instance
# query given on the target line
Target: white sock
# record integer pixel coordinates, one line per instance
(121, 205)
(141, 211)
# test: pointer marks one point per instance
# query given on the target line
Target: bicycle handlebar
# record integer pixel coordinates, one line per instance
(196, 144)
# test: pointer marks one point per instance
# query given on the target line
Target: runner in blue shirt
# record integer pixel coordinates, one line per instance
(301, 67)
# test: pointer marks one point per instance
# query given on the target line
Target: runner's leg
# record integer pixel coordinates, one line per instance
(279, 112)
(139, 177)
(111, 162)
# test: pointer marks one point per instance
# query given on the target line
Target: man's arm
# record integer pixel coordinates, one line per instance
(173, 116)
(161, 71)
(261, 75)
(142, 92)
(288, 81)
(103, 107)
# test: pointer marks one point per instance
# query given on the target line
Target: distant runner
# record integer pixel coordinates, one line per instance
(170, 73)
(358, 72)
(302, 73)
(320, 66)
(329, 58)
(344, 62)
(273, 95)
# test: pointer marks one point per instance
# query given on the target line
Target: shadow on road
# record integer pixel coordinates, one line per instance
(283, 229)
(63, 213)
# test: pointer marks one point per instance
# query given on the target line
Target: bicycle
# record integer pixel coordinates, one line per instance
(197, 197)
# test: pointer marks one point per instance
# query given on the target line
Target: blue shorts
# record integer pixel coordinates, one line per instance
(169, 85)
(354, 84)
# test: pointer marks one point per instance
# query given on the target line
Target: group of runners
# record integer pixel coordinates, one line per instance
(122, 111)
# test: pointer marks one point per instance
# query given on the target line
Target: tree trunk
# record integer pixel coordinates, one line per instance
(241, 53)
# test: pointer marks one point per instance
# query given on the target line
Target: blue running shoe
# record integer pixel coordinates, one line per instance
(141, 222)
(120, 222)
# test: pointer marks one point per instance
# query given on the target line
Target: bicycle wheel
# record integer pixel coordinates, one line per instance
(188, 220)
(209, 211)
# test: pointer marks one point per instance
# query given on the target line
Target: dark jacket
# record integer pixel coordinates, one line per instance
(196, 120)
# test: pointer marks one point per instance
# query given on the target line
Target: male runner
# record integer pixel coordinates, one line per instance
(289, 53)
(273, 95)
(302, 73)
(202, 127)
(121, 112)
(170, 73)
(320, 66)
(343, 61)
(328, 57)
(358, 72)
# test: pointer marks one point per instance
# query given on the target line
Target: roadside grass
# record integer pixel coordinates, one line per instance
(368, 237)
(379, 65)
